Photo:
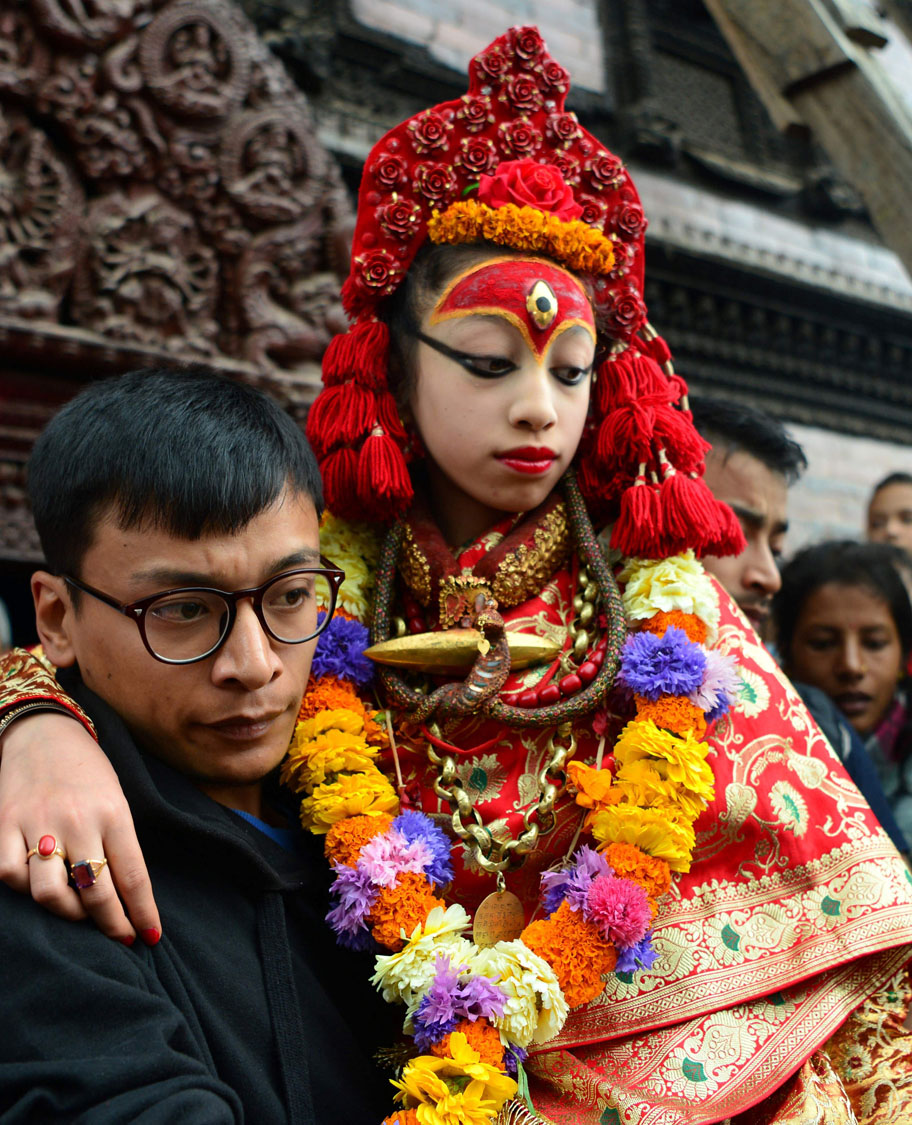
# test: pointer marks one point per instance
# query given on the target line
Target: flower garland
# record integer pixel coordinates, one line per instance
(578, 245)
(473, 1013)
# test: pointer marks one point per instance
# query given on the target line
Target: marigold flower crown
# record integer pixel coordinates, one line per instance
(507, 164)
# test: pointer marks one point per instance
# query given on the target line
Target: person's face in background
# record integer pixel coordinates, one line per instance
(846, 643)
(758, 497)
(890, 516)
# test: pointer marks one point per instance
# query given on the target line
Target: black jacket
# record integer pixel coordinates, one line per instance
(245, 1011)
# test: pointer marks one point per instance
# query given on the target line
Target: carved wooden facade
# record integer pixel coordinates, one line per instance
(162, 198)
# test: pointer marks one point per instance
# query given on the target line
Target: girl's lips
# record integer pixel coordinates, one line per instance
(531, 459)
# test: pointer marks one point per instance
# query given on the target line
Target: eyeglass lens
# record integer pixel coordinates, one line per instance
(190, 623)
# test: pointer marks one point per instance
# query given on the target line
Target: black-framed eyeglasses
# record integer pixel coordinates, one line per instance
(188, 624)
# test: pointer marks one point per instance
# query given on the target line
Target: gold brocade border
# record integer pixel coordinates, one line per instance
(706, 1069)
(730, 943)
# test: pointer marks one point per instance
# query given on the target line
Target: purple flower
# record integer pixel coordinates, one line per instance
(573, 882)
(668, 665)
(478, 998)
(436, 1015)
(416, 825)
(355, 897)
(639, 956)
(720, 685)
(340, 652)
(514, 1057)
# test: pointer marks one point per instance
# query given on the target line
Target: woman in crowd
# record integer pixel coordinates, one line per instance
(844, 625)
(890, 511)
(542, 690)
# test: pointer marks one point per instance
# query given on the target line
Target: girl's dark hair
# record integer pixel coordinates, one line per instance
(876, 567)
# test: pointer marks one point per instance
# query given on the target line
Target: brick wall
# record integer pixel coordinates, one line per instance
(453, 33)
(831, 499)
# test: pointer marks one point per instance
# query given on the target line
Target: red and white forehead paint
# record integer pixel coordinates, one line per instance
(537, 297)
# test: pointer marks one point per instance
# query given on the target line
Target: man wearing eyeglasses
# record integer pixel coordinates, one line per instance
(181, 603)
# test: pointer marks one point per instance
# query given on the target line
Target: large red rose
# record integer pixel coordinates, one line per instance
(529, 184)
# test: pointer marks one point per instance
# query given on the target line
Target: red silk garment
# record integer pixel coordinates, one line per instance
(797, 908)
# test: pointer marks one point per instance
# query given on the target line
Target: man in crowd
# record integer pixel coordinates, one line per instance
(178, 513)
(750, 466)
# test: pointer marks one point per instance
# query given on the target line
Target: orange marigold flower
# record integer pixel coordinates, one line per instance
(346, 838)
(672, 712)
(402, 907)
(693, 626)
(329, 693)
(402, 1117)
(628, 862)
(575, 950)
(482, 1037)
(592, 785)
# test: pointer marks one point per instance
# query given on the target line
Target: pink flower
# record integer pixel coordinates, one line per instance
(620, 908)
(384, 857)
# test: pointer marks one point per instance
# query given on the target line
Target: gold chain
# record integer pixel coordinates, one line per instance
(490, 854)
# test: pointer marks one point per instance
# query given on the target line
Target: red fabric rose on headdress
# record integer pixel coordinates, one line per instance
(529, 184)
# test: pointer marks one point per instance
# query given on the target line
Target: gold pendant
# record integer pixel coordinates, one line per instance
(499, 917)
(454, 651)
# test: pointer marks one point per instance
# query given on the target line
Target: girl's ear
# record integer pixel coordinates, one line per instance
(54, 618)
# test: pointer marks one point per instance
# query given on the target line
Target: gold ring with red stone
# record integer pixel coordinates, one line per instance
(46, 848)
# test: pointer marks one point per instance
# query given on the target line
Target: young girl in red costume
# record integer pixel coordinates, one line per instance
(606, 862)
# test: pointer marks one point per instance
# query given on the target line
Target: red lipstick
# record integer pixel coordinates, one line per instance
(530, 459)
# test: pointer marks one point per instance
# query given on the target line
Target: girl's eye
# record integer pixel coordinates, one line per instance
(487, 366)
(571, 376)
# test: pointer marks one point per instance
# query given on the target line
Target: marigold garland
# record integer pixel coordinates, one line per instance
(576, 244)
(477, 1010)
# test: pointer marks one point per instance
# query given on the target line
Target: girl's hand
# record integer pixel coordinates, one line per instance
(56, 781)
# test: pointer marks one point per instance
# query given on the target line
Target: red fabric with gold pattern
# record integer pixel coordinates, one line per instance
(533, 295)
(797, 907)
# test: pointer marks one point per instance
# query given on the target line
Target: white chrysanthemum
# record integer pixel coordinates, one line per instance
(407, 974)
(536, 1009)
(354, 548)
(663, 585)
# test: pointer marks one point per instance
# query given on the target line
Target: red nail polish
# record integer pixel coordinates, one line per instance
(128, 940)
(151, 936)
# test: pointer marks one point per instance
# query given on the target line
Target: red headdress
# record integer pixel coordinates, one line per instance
(506, 164)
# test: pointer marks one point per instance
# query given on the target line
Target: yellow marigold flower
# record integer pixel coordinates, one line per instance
(354, 548)
(456, 1090)
(640, 783)
(658, 833)
(592, 784)
(350, 794)
(661, 585)
(679, 758)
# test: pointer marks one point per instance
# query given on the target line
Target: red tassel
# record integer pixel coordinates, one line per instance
(656, 348)
(384, 485)
(362, 353)
(731, 538)
(689, 510)
(341, 415)
(625, 436)
(638, 528)
(685, 447)
(388, 419)
(340, 484)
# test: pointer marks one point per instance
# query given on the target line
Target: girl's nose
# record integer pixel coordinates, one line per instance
(534, 407)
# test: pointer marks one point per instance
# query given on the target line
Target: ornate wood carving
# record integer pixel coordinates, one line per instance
(163, 196)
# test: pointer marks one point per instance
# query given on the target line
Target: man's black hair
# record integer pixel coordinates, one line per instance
(875, 567)
(891, 478)
(183, 450)
(731, 427)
